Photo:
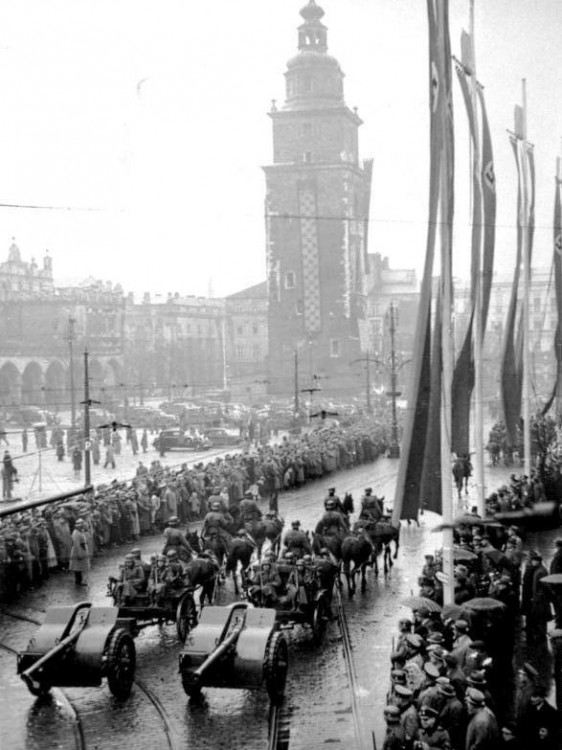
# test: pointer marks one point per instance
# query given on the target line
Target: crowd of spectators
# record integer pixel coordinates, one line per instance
(36, 543)
(452, 681)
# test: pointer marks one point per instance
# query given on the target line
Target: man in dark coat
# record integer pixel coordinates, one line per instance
(556, 591)
(535, 603)
(482, 732)
(541, 725)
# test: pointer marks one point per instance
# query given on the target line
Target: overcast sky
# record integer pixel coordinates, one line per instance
(154, 114)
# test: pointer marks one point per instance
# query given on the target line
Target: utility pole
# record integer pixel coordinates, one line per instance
(297, 405)
(87, 403)
(394, 450)
(71, 322)
(367, 361)
(86, 421)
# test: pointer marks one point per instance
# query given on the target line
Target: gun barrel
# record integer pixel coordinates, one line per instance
(218, 652)
(27, 676)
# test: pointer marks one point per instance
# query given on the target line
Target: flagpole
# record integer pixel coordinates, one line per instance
(526, 283)
(558, 182)
(478, 332)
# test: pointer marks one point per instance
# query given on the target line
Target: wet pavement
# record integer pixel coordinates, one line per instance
(158, 714)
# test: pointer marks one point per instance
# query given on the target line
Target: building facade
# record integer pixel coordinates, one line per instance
(317, 203)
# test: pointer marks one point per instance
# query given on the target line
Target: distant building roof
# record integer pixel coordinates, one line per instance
(258, 291)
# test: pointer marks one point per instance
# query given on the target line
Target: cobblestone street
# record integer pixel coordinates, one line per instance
(318, 698)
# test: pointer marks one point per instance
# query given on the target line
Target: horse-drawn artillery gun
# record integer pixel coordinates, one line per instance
(238, 646)
(77, 647)
(174, 605)
(302, 600)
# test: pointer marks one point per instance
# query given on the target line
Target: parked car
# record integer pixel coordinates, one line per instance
(176, 439)
(219, 437)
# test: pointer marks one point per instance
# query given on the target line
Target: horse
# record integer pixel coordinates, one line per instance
(204, 572)
(462, 470)
(267, 530)
(382, 533)
(357, 548)
(332, 542)
(347, 504)
(240, 550)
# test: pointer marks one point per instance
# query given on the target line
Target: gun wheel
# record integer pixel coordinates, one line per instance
(120, 663)
(186, 616)
(275, 665)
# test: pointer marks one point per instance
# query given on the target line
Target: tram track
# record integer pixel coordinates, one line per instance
(79, 726)
(350, 668)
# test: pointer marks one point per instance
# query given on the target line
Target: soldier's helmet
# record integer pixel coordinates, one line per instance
(171, 554)
(295, 524)
(173, 521)
(129, 557)
(325, 552)
(161, 558)
(136, 552)
(307, 558)
(289, 556)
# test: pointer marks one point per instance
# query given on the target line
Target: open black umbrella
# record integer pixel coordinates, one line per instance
(483, 604)
(460, 555)
(421, 602)
(554, 579)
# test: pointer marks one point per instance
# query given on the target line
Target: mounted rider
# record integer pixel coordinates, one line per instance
(216, 523)
(174, 538)
(331, 496)
(249, 510)
(296, 541)
(372, 507)
(332, 522)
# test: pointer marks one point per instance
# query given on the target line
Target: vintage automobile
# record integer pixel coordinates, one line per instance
(177, 439)
(219, 436)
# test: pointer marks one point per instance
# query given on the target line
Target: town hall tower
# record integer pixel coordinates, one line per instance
(317, 207)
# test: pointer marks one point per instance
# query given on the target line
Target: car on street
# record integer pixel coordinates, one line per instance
(177, 439)
(219, 436)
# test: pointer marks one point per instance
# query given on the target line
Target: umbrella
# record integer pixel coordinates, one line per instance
(483, 604)
(463, 554)
(555, 579)
(495, 556)
(421, 602)
(454, 611)
(467, 519)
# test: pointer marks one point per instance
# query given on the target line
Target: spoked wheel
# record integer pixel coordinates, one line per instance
(275, 665)
(186, 616)
(320, 619)
(120, 663)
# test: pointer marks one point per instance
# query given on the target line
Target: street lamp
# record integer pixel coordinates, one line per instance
(71, 322)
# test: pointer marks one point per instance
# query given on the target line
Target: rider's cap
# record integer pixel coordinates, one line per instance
(392, 714)
(368, 489)
(295, 523)
(331, 489)
(402, 691)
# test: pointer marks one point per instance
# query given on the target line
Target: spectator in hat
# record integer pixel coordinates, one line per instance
(482, 731)
(429, 694)
(535, 602)
(408, 713)
(541, 724)
(526, 682)
(395, 737)
(461, 641)
(79, 554)
(477, 680)
(556, 592)
(397, 677)
(452, 713)
(431, 736)
(401, 646)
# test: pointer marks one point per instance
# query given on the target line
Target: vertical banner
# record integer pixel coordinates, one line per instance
(426, 386)
(488, 183)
